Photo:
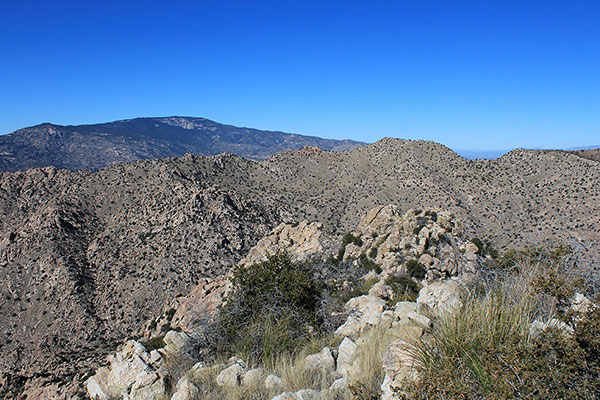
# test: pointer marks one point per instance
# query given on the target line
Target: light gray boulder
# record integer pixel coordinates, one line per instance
(273, 383)
(252, 376)
(322, 361)
(441, 297)
(185, 390)
(230, 376)
(346, 355)
(365, 311)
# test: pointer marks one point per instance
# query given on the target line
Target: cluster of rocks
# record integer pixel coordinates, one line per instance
(434, 238)
(138, 373)
(90, 256)
(386, 236)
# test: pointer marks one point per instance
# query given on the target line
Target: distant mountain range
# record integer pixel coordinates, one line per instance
(491, 154)
(91, 147)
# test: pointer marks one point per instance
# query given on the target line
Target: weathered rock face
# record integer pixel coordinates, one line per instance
(433, 238)
(301, 242)
(322, 362)
(365, 312)
(131, 372)
(441, 297)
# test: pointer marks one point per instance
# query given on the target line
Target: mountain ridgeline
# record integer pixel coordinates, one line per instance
(88, 257)
(91, 147)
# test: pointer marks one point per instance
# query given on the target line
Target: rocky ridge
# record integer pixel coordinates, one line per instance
(140, 374)
(108, 250)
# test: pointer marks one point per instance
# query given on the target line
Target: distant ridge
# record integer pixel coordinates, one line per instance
(92, 147)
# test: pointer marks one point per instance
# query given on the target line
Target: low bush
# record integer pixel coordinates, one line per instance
(357, 289)
(366, 264)
(346, 240)
(486, 350)
(415, 269)
(153, 343)
(403, 287)
(273, 307)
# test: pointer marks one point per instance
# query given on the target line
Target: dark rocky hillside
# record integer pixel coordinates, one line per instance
(87, 257)
(91, 147)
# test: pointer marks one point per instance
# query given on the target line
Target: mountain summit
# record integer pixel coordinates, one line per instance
(91, 147)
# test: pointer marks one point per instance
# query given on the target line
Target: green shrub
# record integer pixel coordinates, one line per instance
(346, 240)
(373, 252)
(154, 343)
(415, 269)
(484, 249)
(431, 214)
(367, 264)
(357, 289)
(350, 238)
(272, 308)
(418, 229)
(403, 288)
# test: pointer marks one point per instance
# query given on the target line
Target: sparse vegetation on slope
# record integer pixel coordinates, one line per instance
(500, 345)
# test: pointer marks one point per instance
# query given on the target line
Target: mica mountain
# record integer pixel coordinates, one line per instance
(91, 147)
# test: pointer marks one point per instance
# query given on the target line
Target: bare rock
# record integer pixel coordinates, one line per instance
(441, 296)
(230, 376)
(322, 361)
(253, 376)
(399, 367)
(301, 241)
(273, 383)
(185, 390)
(346, 355)
(365, 311)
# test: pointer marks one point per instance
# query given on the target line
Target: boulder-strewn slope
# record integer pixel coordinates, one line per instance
(386, 234)
(91, 147)
(88, 257)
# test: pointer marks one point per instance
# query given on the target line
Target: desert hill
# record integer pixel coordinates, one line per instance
(91, 147)
(89, 256)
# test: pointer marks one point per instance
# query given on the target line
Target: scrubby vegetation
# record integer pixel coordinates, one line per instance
(403, 287)
(488, 349)
(277, 306)
(415, 269)
(346, 240)
(273, 308)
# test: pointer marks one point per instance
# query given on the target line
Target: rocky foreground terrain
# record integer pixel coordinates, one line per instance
(89, 257)
(387, 235)
(373, 341)
(91, 147)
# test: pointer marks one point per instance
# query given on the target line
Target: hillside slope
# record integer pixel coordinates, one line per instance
(91, 147)
(89, 256)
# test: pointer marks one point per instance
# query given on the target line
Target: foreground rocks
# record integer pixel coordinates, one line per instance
(385, 236)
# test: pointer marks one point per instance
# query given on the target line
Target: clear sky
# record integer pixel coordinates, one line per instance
(469, 74)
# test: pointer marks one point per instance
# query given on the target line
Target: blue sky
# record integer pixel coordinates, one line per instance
(469, 74)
